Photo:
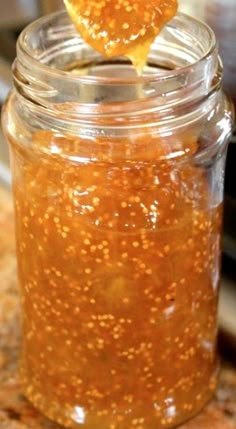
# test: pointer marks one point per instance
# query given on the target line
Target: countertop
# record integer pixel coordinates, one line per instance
(15, 411)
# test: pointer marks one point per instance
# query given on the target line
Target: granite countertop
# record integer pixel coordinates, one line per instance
(15, 411)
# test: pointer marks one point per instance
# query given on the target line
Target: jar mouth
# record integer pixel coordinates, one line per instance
(54, 26)
(57, 71)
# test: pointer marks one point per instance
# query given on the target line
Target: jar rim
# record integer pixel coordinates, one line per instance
(183, 69)
(24, 49)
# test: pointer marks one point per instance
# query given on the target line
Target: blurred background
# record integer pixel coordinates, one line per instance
(221, 16)
(14, 16)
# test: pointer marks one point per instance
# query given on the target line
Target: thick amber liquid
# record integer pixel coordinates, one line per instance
(119, 269)
(121, 28)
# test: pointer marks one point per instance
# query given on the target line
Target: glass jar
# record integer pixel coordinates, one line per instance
(221, 16)
(118, 186)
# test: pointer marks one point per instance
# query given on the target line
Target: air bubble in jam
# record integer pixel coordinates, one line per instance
(121, 27)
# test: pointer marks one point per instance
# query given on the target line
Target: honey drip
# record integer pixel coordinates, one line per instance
(121, 27)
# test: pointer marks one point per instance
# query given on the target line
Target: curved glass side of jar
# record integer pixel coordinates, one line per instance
(118, 223)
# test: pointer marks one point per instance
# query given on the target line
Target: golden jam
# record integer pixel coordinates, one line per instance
(119, 268)
(121, 27)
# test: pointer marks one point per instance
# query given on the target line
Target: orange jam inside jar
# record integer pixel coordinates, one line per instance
(118, 188)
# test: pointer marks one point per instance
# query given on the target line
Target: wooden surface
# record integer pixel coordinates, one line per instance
(15, 411)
